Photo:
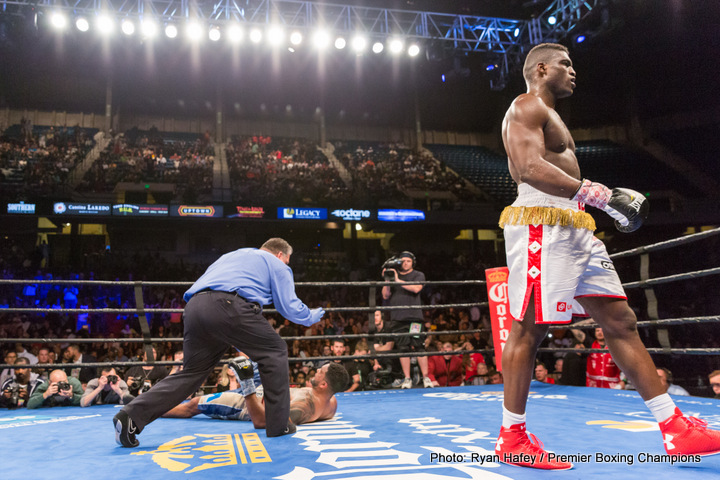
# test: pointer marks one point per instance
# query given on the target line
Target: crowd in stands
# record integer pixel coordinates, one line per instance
(283, 171)
(149, 157)
(385, 172)
(37, 161)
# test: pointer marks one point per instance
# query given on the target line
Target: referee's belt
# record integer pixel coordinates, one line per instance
(233, 294)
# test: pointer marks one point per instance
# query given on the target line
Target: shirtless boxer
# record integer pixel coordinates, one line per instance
(554, 259)
(307, 404)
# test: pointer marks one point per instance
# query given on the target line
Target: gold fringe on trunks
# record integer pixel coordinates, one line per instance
(546, 216)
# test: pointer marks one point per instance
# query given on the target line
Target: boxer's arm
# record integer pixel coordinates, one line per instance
(256, 410)
(525, 146)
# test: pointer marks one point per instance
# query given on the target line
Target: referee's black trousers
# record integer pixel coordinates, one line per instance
(215, 321)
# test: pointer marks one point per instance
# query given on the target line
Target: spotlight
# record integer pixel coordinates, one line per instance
(490, 67)
(442, 77)
(321, 39)
(148, 28)
(128, 27)
(255, 35)
(296, 38)
(214, 34)
(377, 47)
(59, 21)
(194, 31)
(171, 31)
(235, 34)
(105, 24)
(552, 20)
(275, 35)
(396, 45)
(413, 50)
(340, 43)
(82, 24)
(580, 38)
(516, 32)
(359, 43)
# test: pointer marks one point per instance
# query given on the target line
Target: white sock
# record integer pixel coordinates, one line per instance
(662, 407)
(510, 419)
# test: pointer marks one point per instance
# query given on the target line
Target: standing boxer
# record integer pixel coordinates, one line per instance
(554, 258)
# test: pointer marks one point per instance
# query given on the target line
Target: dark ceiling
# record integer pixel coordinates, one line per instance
(661, 56)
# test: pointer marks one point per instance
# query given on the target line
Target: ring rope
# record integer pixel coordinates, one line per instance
(667, 244)
(131, 283)
(672, 278)
(583, 326)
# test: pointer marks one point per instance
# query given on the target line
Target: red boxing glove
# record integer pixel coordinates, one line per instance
(594, 194)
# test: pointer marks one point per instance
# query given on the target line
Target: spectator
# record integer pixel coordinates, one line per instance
(178, 357)
(714, 379)
(60, 391)
(10, 359)
(481, 375)
(108, 388)
(496, 378)
(471, 362)
(72, 355)
(43, 357)
(602, 372)
(359, 368)
(666, 379)
(446, 370)
(541, 374)
(17, 390)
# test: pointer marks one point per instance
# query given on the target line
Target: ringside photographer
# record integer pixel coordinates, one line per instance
(60, 391)
(17, 389)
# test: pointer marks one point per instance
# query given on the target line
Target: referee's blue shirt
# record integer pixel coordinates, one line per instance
(257, 276)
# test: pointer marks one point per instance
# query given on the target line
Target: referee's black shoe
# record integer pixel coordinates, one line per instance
(290, 429)
(125, 430)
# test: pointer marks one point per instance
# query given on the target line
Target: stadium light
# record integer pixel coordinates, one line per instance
(82, 24)
(340, 43)
(214, 34)
(396, 45)
(275, 35)
(359, 43)
(58, 20)
(296, 38)
(377, 47)
(321, 39)
(255, 35)
(171, 31)
(413, 50)
(105, 25)
(235, 33)
(128, 27)
(194, 31)
(148, 28)
(552, 20)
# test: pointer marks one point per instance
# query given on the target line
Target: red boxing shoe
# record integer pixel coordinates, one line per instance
(689, 436)
(516, 447)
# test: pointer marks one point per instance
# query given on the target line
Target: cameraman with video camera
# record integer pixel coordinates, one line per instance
(401, 269)
(17, 389)
(108, 388)
(59, 391)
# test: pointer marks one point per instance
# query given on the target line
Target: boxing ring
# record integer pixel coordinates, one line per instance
(415, 434)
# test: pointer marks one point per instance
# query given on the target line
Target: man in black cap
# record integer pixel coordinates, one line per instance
(409, 319)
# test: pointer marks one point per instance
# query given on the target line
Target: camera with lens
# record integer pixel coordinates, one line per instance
(394, 263)
(135, 385)
(14, 399)
(64, 386)
(145, 386)
(112, 378)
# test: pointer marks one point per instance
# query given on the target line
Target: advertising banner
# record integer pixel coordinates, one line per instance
(497, 287)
